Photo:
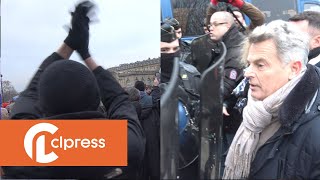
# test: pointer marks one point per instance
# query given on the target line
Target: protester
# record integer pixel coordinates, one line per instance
(145, 99)
(148, 89)
(5, 104)
(205, 26)
(66, 89)
(239, 8)
(134, 97)
(12, 102)
(150, 118)
(4, 113)
(223, 28)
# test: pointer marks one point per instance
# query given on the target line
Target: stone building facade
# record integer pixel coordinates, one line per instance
(128, 74)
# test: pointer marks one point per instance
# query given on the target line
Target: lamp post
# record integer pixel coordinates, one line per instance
(1, 90)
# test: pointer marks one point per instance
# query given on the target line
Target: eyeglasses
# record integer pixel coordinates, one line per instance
(215, 24)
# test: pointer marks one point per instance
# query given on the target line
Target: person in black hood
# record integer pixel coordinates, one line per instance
(65, 89)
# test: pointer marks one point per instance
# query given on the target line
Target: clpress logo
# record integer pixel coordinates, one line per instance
(63, 143)
(41, 157)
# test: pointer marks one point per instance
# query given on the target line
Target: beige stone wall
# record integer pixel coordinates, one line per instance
(128, 74)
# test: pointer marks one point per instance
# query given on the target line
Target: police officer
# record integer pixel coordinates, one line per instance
(185, 48)
(188, 92)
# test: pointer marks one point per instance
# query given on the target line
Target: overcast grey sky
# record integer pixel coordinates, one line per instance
(127, 31)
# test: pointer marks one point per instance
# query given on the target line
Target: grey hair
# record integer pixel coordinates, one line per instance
(290, 44)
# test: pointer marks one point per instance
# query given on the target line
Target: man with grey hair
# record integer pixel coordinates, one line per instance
(309, 22)
(279, 135)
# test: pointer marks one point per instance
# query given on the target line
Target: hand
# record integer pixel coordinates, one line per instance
(155, 82)
(214, 2)
(224, 111)
(236, 3)
(78, 37)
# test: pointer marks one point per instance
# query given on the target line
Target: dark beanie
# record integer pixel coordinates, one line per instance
(67, 86)
(140, 85)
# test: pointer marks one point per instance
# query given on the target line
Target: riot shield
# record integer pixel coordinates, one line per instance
(203, 52)
(169, 135)
(211, 119)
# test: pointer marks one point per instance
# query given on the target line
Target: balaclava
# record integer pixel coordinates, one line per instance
(168, 35)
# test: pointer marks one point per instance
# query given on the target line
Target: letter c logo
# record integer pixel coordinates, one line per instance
(41, 157)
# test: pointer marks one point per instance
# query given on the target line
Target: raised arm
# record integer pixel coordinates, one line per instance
(26, 105)
(117, 105)
(256, 17)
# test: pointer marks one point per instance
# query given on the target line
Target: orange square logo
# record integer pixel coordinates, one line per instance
(63, 143)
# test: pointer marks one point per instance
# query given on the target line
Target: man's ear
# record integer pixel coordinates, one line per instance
(315, 42)
(295, 69)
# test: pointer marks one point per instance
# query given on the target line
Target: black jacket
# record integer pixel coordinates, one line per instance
(233, 68)
(114, 98)
(314, 54)
(150, 120)
(205, 53)
(293, 151)
(138, 108)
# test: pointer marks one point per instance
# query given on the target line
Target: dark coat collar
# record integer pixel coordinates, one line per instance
(314, 53)
(232, 38)
(294, 105)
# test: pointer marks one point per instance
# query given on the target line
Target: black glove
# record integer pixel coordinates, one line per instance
(78, 37)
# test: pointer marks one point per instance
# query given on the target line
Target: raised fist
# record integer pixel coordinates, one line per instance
(78, 37)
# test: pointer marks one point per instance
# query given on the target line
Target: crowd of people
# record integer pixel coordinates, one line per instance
(270, 95)
(7, 107)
